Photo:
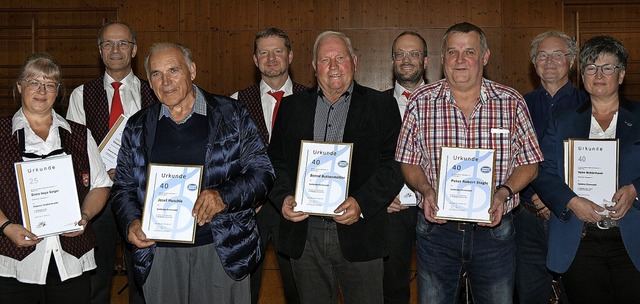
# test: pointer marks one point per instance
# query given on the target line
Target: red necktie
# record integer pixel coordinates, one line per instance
(406, 94)
(278, 96)
(116, 104)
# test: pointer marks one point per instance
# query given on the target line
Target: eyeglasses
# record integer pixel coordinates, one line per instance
(35, 86)
(400, 55)
(607, 69)
(543, 56)
(121, 45)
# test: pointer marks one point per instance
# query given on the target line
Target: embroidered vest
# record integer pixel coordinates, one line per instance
(97, 111)
(250, 97)
(76, 145)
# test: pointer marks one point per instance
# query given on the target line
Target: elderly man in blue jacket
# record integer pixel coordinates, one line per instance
(193, 127)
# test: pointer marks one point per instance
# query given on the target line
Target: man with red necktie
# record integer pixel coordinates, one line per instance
(272, 55)
(410, 60)
(98, 104)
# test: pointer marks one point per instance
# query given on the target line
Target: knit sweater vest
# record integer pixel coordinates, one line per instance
(97, 111)
(76, 145)
(250, 97)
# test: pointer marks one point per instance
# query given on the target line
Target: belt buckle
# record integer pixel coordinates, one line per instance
(607, 223)
(464, 226)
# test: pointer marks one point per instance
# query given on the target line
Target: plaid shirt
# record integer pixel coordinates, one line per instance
(500, 121)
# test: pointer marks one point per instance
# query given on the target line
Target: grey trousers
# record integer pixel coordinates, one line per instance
(192, 275)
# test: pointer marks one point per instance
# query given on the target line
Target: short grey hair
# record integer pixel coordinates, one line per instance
(186, 52)
(328, 34)
(465, 27)
(134, 36)
(601, 45)
(572, 47)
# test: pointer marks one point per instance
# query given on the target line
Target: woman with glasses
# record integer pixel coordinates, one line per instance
(50, 269)
(596, 247)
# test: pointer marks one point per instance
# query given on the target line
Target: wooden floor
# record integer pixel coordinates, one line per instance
(270, 293)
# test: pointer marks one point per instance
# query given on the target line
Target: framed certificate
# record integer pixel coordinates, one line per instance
(323, 177)
(465, 184)
(172, 191)
(48, 195)
(593, 169)
(110, 145)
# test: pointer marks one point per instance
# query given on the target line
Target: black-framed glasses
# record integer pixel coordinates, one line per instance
(543, 56)
(35, 86)
(607, 69)
(121, 45)
(401, 55)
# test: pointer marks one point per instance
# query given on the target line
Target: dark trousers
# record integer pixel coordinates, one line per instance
(72, 291)
(397, 266)
(602, 271)
(533, 279)
(104, 225)
(268, 225)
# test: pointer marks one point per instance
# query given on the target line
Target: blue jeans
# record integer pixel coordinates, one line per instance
(446, 251)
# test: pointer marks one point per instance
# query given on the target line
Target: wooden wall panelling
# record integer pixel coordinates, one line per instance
(300, 69)
(235, 15)
(195, 14)
(532, 13)
(158, 15)
(69, 34)
(619, 19)
(318, 14)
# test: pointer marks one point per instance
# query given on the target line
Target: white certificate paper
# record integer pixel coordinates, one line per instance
(110, 145)
(48, 195)
(593, 169)
(465, 184)
(172, 191)
(323, 177)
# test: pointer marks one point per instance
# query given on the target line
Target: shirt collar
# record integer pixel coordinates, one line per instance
(128, 81)
(399, 89)
(287, 87)
(199, 106)
(347, 93)
(19, 121)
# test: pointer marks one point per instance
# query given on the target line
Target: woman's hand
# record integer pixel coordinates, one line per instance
(20, 236)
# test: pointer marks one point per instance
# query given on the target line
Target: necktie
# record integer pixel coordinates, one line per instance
(278, 96)
(116, 104)
(406, 94)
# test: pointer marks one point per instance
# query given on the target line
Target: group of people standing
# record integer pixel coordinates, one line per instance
(540, 230)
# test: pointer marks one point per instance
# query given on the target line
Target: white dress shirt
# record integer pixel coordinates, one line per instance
(129, 95)
(401, 99)
(33, 268)
(268, 101)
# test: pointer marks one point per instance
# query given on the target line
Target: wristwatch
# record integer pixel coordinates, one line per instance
(510, 196)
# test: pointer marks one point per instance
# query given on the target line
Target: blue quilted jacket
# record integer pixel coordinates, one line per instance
(236, 165)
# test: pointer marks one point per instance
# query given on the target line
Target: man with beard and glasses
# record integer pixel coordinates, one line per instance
(272, 55)
(410, 60)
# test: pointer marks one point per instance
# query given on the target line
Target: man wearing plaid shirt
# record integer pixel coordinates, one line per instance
(468, 111)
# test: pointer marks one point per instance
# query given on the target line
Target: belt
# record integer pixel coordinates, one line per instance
(465, 226)
(322, 218)
(531, 208)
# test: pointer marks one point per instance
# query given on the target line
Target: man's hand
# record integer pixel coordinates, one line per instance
(287, 210)
(137, 237)
(395, 206)
(20, 236)
(208, 204)
(350, 212)
(497, 207)
(585, 209)
(112, 174)
(430, 206)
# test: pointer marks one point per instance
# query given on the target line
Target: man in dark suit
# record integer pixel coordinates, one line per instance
(347, 248)
(409, 58)
(272, 55)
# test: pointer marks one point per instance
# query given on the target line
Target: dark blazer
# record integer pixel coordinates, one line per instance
(236, 165)
(373, 124)
(565, 229)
